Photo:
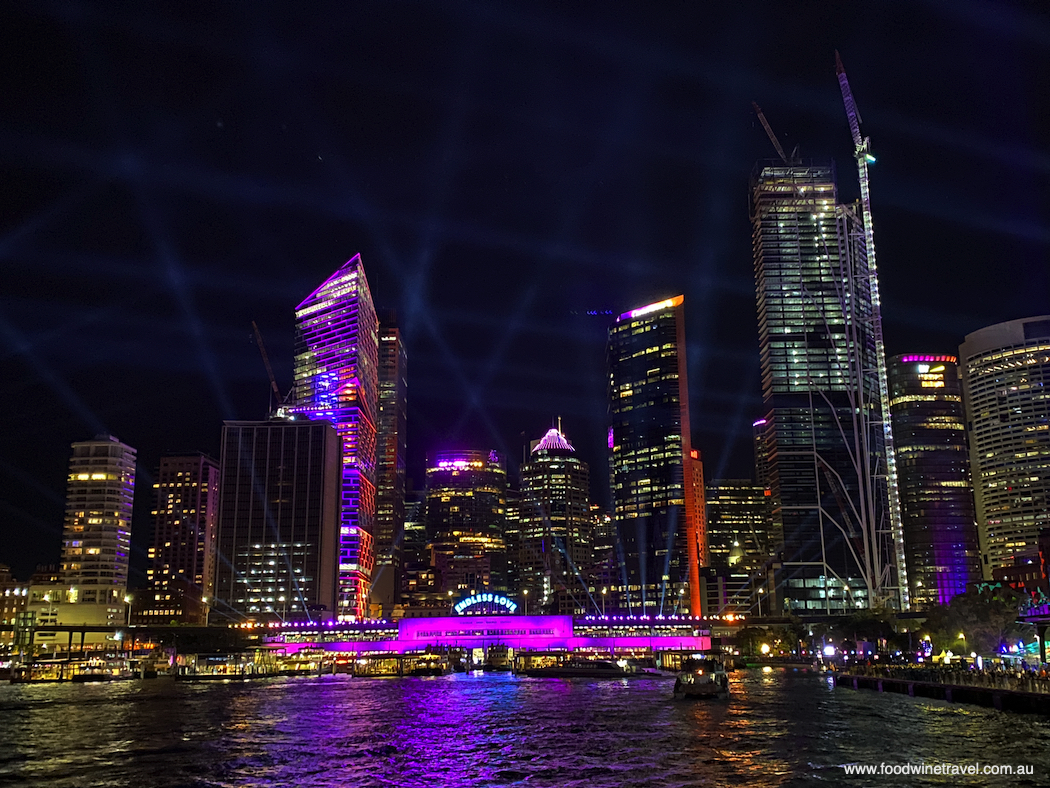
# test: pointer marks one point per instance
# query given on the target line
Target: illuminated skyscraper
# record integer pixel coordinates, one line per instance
(278, 520)
(337, 379)
(96, 538)
(821, 392)
(390, 465)
(182, 554)
(656, 495)
(466, 498)
(555, 525)
(929, 432)
(1006, 390)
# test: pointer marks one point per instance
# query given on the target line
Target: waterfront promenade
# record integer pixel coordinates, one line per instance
(1004, 690)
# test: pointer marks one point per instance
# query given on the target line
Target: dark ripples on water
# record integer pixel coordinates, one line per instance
(480, 730)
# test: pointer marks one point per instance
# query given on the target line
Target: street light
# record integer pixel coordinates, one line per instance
(604, 592)
(761, 591)
(127, 600)
(207, 609)
(525, 593)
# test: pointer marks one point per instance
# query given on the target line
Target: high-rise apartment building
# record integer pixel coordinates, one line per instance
(555, 526)
(182, 554)
(818, 329)
(1006, 391)
(466, 499)
(337, 380)
(279, 520)
(96, 538)
(655, 491)
(390, 465)
(933, 476)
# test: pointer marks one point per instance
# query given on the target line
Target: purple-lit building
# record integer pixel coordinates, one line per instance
(337, 380)
(608, 635)
(929, 430)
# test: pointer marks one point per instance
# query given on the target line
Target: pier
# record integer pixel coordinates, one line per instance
(1025, 694)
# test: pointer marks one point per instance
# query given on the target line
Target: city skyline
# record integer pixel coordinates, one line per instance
(149, 221)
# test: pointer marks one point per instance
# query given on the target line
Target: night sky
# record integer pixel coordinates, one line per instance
(170, 172)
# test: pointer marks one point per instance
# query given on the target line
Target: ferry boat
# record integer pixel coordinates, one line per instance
(702, 678)
(586, 668)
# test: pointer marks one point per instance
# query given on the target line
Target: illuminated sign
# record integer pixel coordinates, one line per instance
(486, 599)
(460, 464)
(644, 310)
(929, 359)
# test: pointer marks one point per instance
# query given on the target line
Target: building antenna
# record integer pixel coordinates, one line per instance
(769, 132)
(862, 153)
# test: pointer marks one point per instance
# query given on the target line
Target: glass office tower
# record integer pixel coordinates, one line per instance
(465, 517)
(337, 379)
(822, 436)
(657, 484)
(555, 526)
(279, 523)
(390, 465)
(933, 475)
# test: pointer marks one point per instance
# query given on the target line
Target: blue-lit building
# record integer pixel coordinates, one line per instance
(337, 380)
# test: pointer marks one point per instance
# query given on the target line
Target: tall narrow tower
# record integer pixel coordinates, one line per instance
(656, 492)
(823, 437)
(390, 464)
(337, 379)
(96, 539)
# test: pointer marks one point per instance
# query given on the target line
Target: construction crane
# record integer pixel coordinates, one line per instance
(269, 369)
(769, 132)
(862, 153)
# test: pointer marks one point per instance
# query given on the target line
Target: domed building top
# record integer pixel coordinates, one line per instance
(553, 440)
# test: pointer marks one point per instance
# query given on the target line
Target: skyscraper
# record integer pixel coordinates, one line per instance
(337, 379)
(823, 440)
(652, 463)
(96, 538)
(390, 465)
(940, 537)
(279, 509)
(555, 525)
(738, 527)
(1006, 391)
(466, 496)
(182, 553)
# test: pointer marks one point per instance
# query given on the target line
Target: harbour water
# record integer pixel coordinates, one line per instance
(777, 729)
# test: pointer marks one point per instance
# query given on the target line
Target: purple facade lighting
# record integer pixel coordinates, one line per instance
(336, 379)
(536, 633)
(928, 359)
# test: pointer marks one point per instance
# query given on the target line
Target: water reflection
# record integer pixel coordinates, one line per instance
(472, 730)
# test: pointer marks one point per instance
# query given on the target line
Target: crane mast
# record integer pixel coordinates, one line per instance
(862, 153)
